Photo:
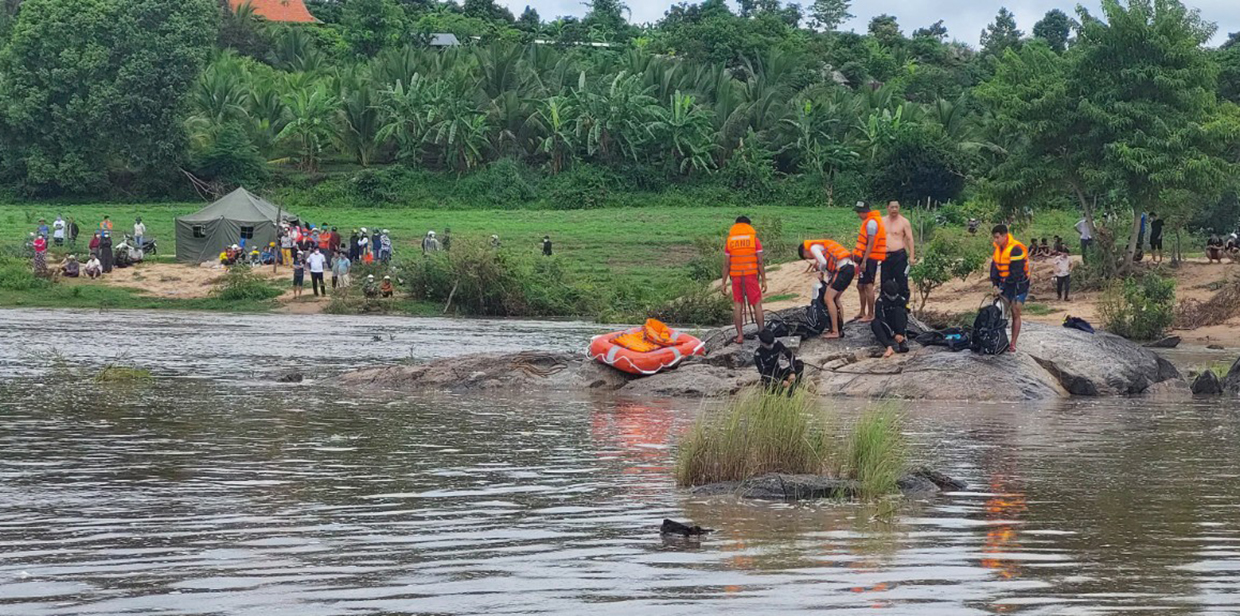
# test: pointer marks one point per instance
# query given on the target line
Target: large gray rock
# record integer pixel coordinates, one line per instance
(1207, 384)
(1052, 362)
(1231, 383)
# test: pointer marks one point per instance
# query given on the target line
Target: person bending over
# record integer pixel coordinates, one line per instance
(891, 323)
(830, 257)
(775, 375)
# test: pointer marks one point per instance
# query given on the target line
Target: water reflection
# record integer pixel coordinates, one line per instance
(224, 497)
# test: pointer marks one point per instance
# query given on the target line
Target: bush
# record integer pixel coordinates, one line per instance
(941, 261)
(476, 279)
(581, 187)
(17, 274)
(1138, 308)
(230, 159)
(241, 284)
(756, 433)
(704, 306)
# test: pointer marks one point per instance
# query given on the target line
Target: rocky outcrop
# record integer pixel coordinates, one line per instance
(1231, 382)
(1207, 384)
(1169, 342)
(1052, 362)
(920, 483)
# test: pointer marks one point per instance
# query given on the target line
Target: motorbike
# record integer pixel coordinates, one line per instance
(148, 247)
(125, 254)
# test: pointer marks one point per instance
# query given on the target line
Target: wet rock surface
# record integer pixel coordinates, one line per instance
(1051, 362)
(920, 483)
(1231, 383)
(1207, 383)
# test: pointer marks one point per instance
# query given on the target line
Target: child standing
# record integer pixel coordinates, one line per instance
(1063, 273)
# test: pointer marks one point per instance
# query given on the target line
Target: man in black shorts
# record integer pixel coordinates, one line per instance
(831, 258)
(1156, 238)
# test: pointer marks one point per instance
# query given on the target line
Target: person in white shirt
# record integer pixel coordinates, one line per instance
(1063, 273)
(139, 231)
(1087, 238)
(316, 263)
(58, 231)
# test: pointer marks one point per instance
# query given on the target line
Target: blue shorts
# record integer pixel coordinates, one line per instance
(1017, 292)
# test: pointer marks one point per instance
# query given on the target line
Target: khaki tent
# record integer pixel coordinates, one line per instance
(237, 216)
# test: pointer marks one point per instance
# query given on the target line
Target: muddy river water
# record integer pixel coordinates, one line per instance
(212, 490)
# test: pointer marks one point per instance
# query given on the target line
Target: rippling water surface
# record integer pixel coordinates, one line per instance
(231, 495)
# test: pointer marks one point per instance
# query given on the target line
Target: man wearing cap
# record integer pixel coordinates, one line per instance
(869, 253)
(385, 287)
(369, 288)
(429, 243)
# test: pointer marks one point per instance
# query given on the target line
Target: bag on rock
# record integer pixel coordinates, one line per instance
(1078, 323)
(953, 338)
(989, 336)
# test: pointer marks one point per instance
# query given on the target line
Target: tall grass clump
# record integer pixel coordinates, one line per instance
(756, 433)
(122, 374)
(242, 284)
(876, 452)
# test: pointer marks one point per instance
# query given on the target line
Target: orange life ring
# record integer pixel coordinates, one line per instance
(605, 349)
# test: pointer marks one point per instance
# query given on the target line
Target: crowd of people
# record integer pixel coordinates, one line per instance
(103, 255)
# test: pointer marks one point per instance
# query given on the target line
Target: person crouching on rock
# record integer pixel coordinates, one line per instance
(776, 376)
(834, 259)
(891, 324)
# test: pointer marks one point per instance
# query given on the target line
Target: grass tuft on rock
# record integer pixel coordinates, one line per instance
(756, 433)
(876, 452)
(123, 374)
(759, 433)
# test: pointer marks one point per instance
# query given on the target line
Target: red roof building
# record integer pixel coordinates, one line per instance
(287, 11)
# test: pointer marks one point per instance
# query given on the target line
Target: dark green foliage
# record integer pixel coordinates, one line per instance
(242, 285)
(1054, 29)
(369, 26)
(230, 159)
(920, 163)
(95, 88)
(1139, 308)
(1001, 34)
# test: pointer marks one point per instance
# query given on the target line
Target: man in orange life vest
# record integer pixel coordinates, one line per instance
(831, 257)
(870, 252)
(1009, 272)
(743, 265)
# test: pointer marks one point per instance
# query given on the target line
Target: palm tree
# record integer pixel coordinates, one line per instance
(554, 126)
(612, 122)
(358, 122)
(217, 97)
(311, 112)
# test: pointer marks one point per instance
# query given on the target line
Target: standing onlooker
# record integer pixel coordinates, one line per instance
(299, 274)
(105, 251)
(139, 232)
(495, 242)
(340, 270)
(58, 231)
(286, 246)
(546, 246)
(334, 241)
(901, 250)
(1156, 238)
(1087, 237)
(106, 224)
(40, 256)
(447, 239)
(1063, 274)
(385, 247)
(316, 262)
(94, 245)
(429, 243)
(73, 232)
(44, 232)
(354, 246)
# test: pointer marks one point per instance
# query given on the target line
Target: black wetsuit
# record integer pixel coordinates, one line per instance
(769, 368)
(890, 320)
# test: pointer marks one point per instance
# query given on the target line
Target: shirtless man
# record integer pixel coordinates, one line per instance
(900, 248)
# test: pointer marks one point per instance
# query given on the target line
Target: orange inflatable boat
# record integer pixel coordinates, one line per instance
(645, 350)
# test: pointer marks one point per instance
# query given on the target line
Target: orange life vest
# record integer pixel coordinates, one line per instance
(1003, 260)
(879, 252)
(835, 252)
(742, 250)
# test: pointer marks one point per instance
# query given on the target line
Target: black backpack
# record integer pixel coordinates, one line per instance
(953, 338)
(989, 336)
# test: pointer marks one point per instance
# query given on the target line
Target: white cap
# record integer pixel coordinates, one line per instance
(430, 233)
(370, 275)
(385, 232)
(387, 277)
(495, 237)
(363, 229)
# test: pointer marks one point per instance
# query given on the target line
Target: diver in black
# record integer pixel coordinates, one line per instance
(767, 358)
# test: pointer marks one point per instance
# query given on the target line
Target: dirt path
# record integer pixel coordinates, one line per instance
(1195, 279)
(179, 281)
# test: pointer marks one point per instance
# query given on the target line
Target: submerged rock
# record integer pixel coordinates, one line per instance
(779, 486)
(1170, 342)
(1207, 384)
(1231, 383)
(1052, 362)
(290, 376)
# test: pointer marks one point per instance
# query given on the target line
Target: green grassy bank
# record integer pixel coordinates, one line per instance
(643, 256)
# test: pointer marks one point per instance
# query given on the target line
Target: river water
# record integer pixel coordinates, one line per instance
(214, 491)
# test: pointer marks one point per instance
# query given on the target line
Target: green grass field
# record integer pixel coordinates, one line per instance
(632, 247)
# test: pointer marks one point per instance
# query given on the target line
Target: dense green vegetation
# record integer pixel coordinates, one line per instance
(1112, 113)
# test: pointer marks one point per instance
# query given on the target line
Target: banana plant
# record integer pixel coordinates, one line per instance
(556, 137)
(311, 112)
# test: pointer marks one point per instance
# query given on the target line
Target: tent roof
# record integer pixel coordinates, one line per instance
(241, 205)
